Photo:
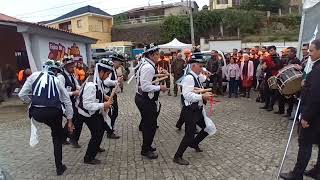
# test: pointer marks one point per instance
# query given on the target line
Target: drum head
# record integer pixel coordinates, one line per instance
(292, 87)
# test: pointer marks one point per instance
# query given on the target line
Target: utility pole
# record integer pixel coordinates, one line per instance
(191, 24)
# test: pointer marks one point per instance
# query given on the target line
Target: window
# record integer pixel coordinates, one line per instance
(100, 26)
(236, 2)
(79, 23)
(222, 1)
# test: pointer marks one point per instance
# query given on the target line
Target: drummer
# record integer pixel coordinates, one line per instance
(292, 60)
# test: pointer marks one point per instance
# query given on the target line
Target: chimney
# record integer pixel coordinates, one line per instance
(162, 3)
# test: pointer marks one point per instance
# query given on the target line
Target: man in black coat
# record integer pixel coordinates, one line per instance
(309, 127)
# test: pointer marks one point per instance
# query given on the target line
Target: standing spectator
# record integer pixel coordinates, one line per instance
(233, 74)
(177, 70)
(163, 68)
(23, 75)
(260, 76)
(80, 73)
(120, 73)
(213, 68)
(10, 78)
(246, 73)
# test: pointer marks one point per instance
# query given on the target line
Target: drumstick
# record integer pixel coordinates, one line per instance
(159, 79)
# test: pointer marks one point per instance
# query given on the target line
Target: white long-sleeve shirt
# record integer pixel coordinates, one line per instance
(145, 76)
(108, 82)
(63, 94)
(63, 81)
(187, 88)
(90, 101)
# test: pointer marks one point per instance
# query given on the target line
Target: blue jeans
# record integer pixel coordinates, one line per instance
(233, 86)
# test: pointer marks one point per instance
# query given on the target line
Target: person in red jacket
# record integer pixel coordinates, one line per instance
(272, 64)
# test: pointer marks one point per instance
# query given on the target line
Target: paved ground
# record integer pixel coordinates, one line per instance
(248, 145)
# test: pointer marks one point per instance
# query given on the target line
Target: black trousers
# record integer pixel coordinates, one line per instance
(307, 137)
(149, 115)
(175, 85)
(283, 100)
(78, 123)
(53, 118)
(269, 95)
(114, 114)
(192, 118)
(95, 125)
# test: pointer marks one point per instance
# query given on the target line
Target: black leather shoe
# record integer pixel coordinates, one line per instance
(180, 161)
(65, 142)
(75, 144)
(61, 170)
(270, 109)
(179, 127)
(100, 150)
(153, 149)
(92, 162)
(291, 176)
(314, 173)
(150, 154)
(279, 112)
(264, 107)
(287, 115)
(113, 136)
(197, 148)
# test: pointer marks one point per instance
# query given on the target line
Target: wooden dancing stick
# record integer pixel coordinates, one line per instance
(200, 90)
(161, 75)
(159, 79)
(113, 93)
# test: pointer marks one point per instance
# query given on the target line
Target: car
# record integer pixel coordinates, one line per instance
(99, 53)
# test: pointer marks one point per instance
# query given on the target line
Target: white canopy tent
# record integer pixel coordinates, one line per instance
(175, 44)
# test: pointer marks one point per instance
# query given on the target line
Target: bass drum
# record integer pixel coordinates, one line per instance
(272, 82)
(289, 80)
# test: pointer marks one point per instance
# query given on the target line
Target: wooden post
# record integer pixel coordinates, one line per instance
(238, 31)
(221, 29)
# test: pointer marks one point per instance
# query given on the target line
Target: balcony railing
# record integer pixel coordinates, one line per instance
(140, 20)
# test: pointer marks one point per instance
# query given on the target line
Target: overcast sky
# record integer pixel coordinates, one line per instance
(41, 10)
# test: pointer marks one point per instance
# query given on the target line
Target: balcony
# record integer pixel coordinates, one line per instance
(140, 20)
(99, 28)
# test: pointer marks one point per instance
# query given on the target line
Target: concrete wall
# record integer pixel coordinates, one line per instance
(227, 46)
(220, 6)
(84, 25)
(139, 33)
(174, 11)
(40, 48)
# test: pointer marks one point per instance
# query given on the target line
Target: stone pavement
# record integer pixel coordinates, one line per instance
(249, 144)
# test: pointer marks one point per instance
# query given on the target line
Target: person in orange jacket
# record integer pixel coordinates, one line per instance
(80, 73)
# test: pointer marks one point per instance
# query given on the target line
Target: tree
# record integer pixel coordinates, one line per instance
(205, 8)
(264, 5)
(175, 27)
